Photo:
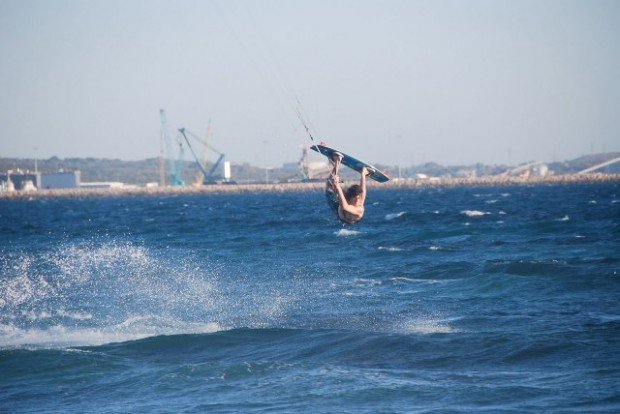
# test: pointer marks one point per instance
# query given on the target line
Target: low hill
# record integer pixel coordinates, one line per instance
(145, 171)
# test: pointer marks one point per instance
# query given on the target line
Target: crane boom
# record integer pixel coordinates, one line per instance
(174, 169)
(208, 175)
(182, 131)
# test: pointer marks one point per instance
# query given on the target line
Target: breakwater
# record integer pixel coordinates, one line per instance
(306, 186)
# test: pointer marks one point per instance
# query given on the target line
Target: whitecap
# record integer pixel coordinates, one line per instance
(392, 216)
(434, 248)
(60, 336)
(565, 218)
(367, 282)
(346, 233)
(474, 213)
(390, 249)
(403, 279)
(427, 327)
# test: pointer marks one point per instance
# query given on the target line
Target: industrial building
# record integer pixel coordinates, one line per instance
(60, 180)
(19, 180)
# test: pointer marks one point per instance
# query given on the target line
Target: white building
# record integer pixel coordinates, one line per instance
(60, 180)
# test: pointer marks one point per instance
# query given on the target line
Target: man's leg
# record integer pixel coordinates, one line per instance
(336, 160)
(330, 189)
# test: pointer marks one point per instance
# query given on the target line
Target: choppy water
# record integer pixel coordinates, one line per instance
(446, 300)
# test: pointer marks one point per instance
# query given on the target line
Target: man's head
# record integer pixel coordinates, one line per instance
(353, 193)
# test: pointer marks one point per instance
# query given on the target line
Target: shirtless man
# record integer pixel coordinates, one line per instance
(349, 205)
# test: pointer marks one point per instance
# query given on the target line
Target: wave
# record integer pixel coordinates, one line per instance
(393, 216)
(347, 233)
(474, 213)
(91, 294)
(61, 336)
(390, 249)
(427, 327)
(286, 343)
(404, 279)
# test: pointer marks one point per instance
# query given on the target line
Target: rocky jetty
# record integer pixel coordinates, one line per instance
(305, 187)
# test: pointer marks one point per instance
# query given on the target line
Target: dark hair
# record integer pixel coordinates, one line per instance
(353, 192)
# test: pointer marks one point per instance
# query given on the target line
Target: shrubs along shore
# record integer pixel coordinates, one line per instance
(305, 186)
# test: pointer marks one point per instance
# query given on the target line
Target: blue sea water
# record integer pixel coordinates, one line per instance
(480, 299)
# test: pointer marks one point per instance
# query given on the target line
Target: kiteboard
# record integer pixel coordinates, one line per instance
(352, 162)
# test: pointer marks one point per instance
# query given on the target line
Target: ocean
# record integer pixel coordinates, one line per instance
(442, 300)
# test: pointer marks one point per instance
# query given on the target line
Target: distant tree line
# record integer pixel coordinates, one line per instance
(145, 171)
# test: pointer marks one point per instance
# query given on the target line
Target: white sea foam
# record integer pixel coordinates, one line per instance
(565, 218)
(427, 326)
(92, 294)
(70, 299)
(76, 315)
(474, 213)
(393, 216)
(434, 248)
(390, 249)
(21, 284)
(32, 315)
(403, 279)
(346, 233)
(59, 336)
(367, 282)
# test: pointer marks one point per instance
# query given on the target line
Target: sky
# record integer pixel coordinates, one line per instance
(391, 82)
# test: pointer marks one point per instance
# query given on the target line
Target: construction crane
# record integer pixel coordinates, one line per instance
(175, 169)
(209, 176)
(204, 156)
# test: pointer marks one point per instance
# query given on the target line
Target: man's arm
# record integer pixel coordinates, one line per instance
(363, 174)
(343, 201)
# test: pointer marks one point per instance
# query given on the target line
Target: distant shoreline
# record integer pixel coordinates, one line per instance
(305, 187)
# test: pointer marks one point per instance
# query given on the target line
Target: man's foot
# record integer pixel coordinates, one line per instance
(337, 157)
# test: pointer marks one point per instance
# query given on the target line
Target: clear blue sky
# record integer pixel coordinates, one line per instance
(394, 82)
